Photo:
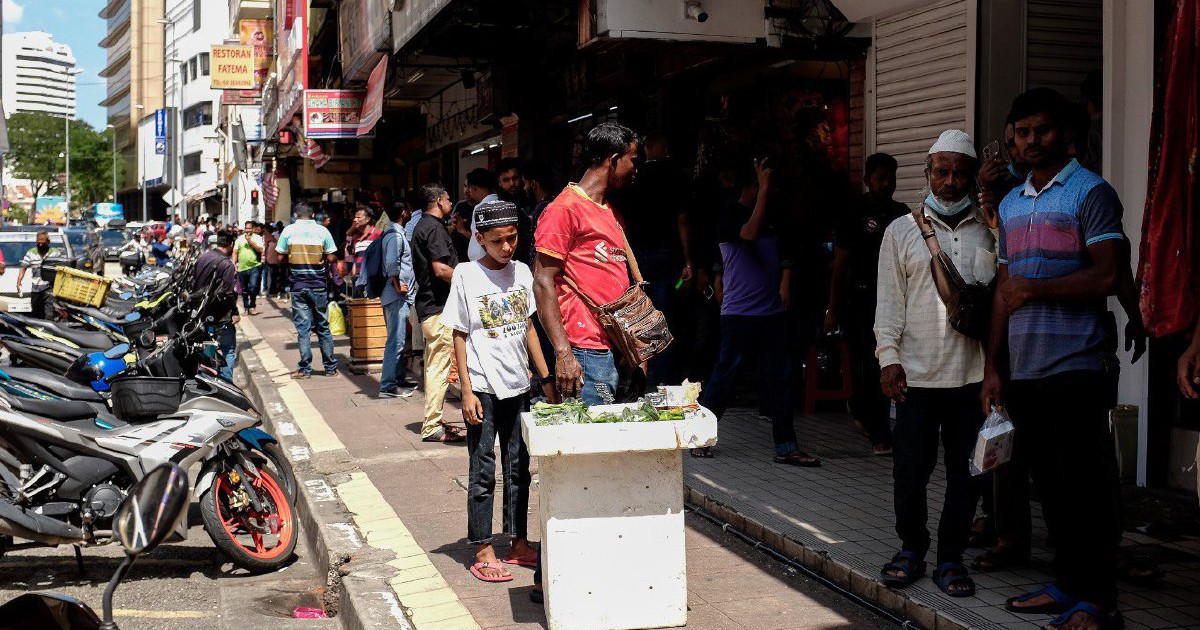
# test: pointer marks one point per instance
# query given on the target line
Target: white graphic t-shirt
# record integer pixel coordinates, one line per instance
(493, 308)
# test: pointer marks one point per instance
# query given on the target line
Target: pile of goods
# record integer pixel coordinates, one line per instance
(668, 404)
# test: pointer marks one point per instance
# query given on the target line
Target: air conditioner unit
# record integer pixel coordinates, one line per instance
(729, 21)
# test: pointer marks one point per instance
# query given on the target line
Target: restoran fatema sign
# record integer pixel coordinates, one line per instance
(233, 67)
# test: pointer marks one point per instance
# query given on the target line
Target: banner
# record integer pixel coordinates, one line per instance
(372, 109)
(332, 113)
(108, 212)
(160, 132)
(49, 210)
(233, 67)
(259, 34)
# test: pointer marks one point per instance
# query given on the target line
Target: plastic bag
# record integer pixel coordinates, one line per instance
(337, 321)
(994, 445)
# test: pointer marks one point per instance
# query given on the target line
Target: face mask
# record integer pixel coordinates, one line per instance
(945, 211)
(43, 248)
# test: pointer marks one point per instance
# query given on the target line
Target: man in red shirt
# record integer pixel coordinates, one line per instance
(578, 236)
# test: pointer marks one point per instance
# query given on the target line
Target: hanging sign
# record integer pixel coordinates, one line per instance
(372, 109)
(332, 113)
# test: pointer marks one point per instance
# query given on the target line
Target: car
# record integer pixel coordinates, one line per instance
(14, 244)
(112, 240)
(87, 250)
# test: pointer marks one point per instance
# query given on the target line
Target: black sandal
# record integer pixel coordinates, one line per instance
(910, 567)
(799, 458)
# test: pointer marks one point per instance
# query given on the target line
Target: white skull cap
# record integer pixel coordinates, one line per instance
(954, 141)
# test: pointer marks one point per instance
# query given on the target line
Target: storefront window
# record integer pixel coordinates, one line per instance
(204, 64)
(183, 72)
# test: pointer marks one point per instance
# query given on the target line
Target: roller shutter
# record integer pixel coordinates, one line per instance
(1063, 43)
(924, 84)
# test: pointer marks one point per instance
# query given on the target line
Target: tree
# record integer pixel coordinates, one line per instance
(36, 145)
(37, 155)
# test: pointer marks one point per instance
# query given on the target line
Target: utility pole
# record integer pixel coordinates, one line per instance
(113, 133)
(67, 131)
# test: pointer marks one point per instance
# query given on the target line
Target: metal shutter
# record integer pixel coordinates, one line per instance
(1063, 41)
(924, 84)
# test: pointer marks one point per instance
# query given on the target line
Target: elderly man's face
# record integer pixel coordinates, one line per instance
(950, 176)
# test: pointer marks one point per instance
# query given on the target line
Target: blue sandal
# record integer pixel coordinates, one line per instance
(1108, 621)
(1062, 602)
(907, 562)
(953, 579)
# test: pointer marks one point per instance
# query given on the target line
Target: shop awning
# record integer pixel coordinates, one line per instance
(200, 196)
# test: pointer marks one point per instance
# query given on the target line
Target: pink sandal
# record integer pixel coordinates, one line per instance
(477, 571)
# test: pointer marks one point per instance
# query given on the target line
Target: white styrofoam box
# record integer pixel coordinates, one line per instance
(613, 553)
(613, 540)
(698, 430)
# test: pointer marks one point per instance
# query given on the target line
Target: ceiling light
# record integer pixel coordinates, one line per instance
(477, 151)
(415, 76)
(579, 118)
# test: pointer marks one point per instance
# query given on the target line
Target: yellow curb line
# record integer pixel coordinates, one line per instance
(321, 438)
(433, 605)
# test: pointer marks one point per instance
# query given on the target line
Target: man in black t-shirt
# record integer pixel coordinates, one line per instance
(857, 240)
(434, 258)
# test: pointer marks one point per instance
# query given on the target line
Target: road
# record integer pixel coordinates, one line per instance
(179, 586)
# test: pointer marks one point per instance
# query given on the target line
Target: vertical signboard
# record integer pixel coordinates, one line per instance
(372, 109)
(160, 132)
(260, 35)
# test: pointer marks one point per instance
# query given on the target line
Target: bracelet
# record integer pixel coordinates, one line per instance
(928, 235)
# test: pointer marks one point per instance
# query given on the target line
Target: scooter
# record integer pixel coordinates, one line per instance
(146, 517)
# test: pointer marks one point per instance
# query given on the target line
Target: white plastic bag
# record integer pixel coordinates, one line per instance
(993, 447)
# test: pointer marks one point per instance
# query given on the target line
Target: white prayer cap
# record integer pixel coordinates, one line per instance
(954, 141)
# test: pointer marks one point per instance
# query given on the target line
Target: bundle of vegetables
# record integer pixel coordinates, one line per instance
(575, 412)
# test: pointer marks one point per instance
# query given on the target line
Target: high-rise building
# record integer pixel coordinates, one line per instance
(135, 77)
(39, 76)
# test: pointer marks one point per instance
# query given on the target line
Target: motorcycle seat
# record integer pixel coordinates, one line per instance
(60, 410)
(53, 383)
(91, 339)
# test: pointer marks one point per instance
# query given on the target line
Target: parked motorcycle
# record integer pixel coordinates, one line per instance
(154, 508)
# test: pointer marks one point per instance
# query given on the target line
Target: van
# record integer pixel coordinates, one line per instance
(14, 243)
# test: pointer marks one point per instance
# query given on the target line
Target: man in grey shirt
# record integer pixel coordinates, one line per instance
(398, 294)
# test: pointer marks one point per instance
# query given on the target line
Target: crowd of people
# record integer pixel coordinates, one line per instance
(503, 284)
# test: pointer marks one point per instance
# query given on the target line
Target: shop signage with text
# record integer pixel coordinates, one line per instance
(332, 113)
(233, 67)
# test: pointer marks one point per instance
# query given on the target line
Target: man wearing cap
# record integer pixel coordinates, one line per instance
(308, 248)
(931, 371)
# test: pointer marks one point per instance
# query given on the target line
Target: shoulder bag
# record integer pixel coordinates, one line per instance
(636, 330)
(968, 306)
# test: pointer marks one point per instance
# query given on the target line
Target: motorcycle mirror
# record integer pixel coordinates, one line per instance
(117, 351)
(152, 509)
(46, 611)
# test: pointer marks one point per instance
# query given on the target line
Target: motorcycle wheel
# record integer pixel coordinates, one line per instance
(256, 541)
(272, 454)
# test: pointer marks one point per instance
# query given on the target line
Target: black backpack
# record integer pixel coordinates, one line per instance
(372, 266)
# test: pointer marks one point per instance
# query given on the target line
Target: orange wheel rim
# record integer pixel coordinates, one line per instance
(246, 536)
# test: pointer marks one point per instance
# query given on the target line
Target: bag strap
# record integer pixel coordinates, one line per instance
(927, 232)
(575, 287)
(630, 262)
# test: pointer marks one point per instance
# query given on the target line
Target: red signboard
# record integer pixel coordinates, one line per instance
(332, 113)
(372, 109)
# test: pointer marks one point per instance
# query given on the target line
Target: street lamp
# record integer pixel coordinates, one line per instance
(142, 167)
(67, 132)
(175, 140)
(113, 133)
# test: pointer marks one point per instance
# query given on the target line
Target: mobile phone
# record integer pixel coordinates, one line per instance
(993, 150)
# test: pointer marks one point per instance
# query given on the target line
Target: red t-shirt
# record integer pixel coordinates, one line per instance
(588, 238)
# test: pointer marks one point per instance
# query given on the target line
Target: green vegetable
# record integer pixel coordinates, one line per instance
(575, 412)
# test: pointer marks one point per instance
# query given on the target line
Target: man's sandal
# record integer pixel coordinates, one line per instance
(1062, 602)
(953, 579)
(1107, 621)
(911, 569)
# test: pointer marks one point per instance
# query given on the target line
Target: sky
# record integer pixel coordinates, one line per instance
(77, 24)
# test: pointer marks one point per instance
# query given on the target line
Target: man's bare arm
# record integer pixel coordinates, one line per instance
(442, 271)
(1099, 279)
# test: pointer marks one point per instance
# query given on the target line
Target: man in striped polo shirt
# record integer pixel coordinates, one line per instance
(1060, 253)
(306, 248)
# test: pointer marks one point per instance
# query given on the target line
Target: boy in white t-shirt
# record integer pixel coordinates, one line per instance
(489, 309)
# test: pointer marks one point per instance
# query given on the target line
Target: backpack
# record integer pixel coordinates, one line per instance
(372, 266)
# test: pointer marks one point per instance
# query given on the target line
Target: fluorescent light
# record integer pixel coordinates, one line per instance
(579, 118)
(477, 151)
(493, 145)
(416, 76)
(613, 108)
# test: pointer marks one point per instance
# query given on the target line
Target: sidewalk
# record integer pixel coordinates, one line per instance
(843, 510)
(422, 486)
